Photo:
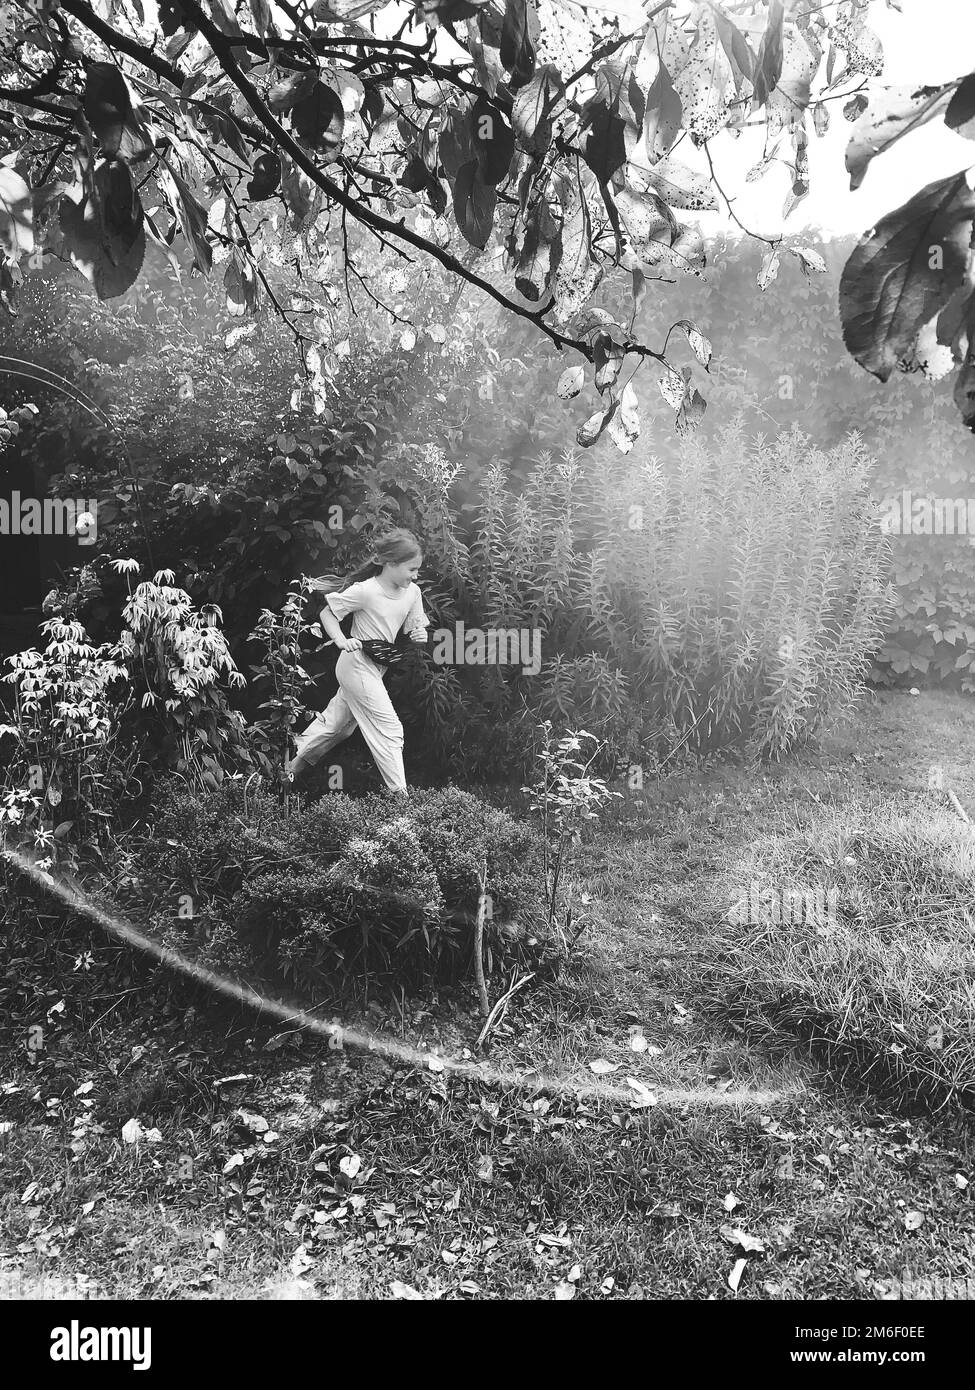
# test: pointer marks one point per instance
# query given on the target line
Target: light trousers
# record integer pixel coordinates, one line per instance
(362, 702)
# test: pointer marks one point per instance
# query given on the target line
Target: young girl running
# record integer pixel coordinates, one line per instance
(385, 599)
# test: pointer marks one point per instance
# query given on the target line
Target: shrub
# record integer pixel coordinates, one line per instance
(460, 833)
(342, 889)
(200, 845)
(180, 661)
(64, 761)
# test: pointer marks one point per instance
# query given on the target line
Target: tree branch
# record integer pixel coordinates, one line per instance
(48, 81)
(121, 43)
(223, 50)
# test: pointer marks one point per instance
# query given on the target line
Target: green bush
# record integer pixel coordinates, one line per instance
(460, 833)
(342, 889)
(201, 845)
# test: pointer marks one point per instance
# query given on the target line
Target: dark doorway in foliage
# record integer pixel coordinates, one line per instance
(21, 583)
(30, 565)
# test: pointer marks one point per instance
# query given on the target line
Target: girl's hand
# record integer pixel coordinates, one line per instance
(352, 644)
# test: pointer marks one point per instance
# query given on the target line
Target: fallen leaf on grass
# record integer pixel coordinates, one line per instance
(133, 1133)
(736, 1236)
(667, 1209)
(734, 1278)
(564, 1291)
(730, 1201)
(644, 1096)
(350, 1165)
(914, 1220)
(608, 1284)
(236, 1161)
(255, 1123)
(400, 1290)
(602, 1068)
(485, 1169)
(638, 1042)
(961, 1182)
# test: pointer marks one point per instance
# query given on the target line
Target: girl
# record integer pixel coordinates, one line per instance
(384, 597)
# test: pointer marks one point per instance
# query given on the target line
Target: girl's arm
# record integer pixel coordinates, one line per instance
(332, 626)
(416, 623)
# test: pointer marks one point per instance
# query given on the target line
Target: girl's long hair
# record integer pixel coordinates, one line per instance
(391, 548)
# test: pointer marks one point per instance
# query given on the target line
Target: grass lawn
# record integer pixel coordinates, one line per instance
(813, 1079)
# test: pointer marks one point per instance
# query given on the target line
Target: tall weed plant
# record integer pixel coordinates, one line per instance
(734, 597)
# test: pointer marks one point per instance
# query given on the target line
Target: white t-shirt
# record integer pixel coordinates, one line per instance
(379, 616)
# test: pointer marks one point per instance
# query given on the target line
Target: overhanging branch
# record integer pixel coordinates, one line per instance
(223, 49)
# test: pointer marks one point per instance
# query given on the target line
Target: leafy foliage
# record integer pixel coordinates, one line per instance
(475, 132)
(91, 721)
(181, 670)
(279, 676)
(907, 297)
(64, 760)
(13, 421)
(238, 489)
(565, 797)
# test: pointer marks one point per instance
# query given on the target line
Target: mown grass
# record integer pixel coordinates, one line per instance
(842, 1173)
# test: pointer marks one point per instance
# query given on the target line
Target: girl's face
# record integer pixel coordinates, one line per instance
(404, 573)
